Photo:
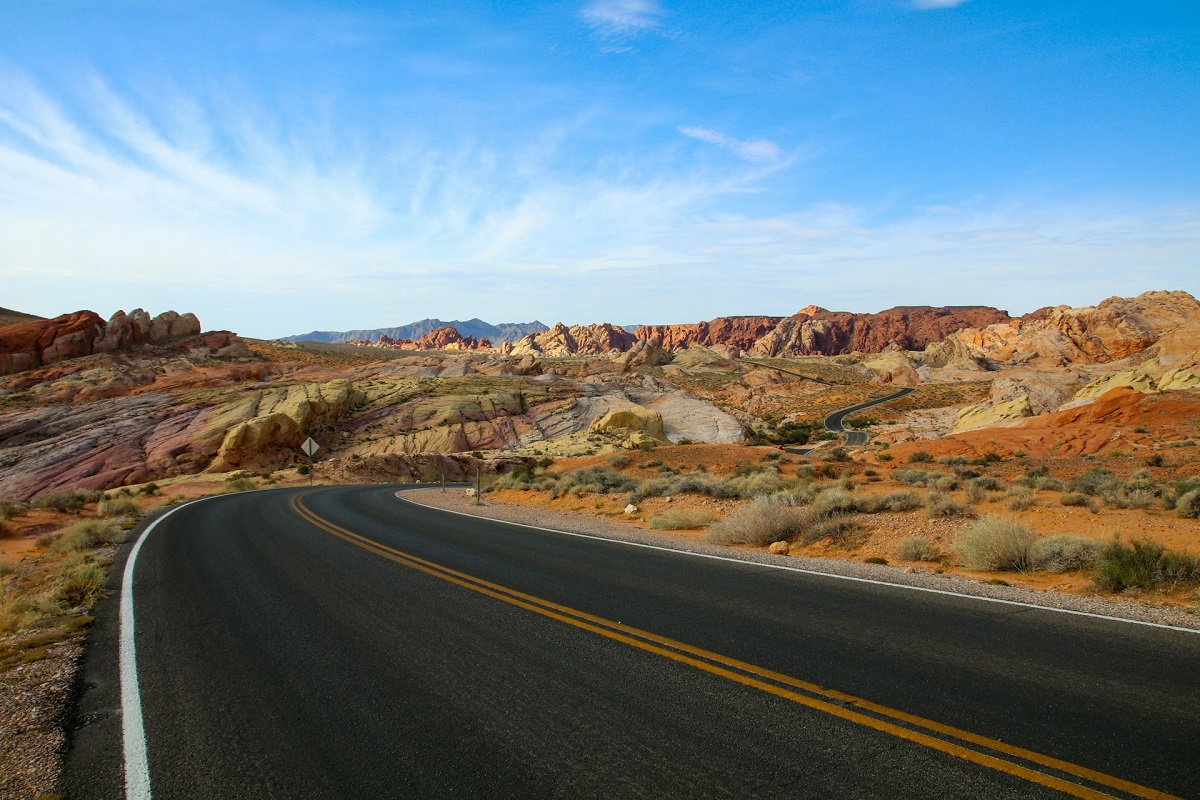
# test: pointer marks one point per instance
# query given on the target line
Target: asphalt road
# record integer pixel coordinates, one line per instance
(342, 643)
(833, 422)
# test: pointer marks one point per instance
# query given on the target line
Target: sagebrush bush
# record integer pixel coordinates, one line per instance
(989, 482)
(1073, 499)
(86, 534)
(917, 548)
(1064, 553)
(1096, 482)
(618, 460)
(995, 543)
(841, 528)
(1049, 484)
(11, 509)
(913, 477)
(919, 457)
(764, 521)
(943, 506)
(680, 519)
(1188, 505)
(593, 480)
(894, 501)
(1144, 564)
(67, 501)
(238, 485)
(117, 507)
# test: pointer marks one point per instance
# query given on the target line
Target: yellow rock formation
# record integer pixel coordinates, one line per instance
(635, 426)
(1139, 381)
(981, 415)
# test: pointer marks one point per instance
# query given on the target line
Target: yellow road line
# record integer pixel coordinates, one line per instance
(687, 654)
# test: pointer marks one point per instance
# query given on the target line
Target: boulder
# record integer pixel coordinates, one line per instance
(1178, 379)
(779, 548)
(982, 415)
(634, 425)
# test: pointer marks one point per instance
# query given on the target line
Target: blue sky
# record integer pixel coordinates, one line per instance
(283, 167)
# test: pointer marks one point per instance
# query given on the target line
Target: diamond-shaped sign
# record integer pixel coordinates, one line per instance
(310, 447)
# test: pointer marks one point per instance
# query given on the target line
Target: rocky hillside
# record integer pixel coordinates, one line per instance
(575, 340)
(10, 317)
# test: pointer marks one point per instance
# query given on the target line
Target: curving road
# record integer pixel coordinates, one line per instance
(341, 642)
(833, 421)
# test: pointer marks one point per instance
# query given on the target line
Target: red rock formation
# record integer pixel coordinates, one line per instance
(448, 338)
(816, 331)
(740, 332)
(40, 342)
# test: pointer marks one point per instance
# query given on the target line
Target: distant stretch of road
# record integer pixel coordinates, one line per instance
(833, 422)
(340, 642)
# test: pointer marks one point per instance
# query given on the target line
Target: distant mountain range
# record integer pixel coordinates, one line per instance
(504, 332)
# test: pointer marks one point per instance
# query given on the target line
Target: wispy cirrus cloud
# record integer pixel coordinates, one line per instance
(618, 21)
(926, 5)
(746, 149)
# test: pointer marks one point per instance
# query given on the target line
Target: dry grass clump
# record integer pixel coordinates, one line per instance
(81, 581)
(118, 507)
(1064, 553)
(943, 506)
(995, 543)
(67, 501)
(1188, 505)
(680, 519)
(1022, 498)
(894, 501)
(917, 548)
(11, 509)
(593, 480)
(766, 520)
(86, 534)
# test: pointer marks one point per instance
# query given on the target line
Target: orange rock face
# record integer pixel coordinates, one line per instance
(448, 338)
(740, 332)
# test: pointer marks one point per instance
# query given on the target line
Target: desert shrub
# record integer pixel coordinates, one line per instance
(667, 469)
(1073, 499)
(766, 520)
(679, 519)
(594, 480)
(911, 477)
(303, 469)
(943, 506)
(1022, 498)
(975, 494)
(1188, 505)
(1096, 482)
(150, 488)
(1144, 564)
(85, 534)
(919, 457)
(1063, 553)
(943, 483)
(1048, 484)
(965, 473)
(917, 548)
(773, 455)
(995, 543)
(81, 581)
(618, 460)
(875, 560)
(238, 485)
(756, 484)
(838, 454)
(11, 509)
(989, 482)
(67, 501)
(837, 501)
(842, 529)
(894, 501)
(987, 458)
(953, 461)
(117, 507)
(883, 457)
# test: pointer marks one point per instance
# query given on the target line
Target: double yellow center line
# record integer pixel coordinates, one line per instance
(991, 753)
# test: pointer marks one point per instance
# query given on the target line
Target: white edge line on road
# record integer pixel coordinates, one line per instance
(137, 766)
(818, 573)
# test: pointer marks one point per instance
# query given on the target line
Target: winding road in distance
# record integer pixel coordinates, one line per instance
(833, 422)
(340, 642)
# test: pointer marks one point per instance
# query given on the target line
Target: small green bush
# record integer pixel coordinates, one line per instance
(917, 548)
(680, 519)
(1144, 564)
(912, 477)
(1064, 553)
(894, 501)
(1096, 482)
(919, 457)
(995, 543)
(11, 509)
(238, 485)
(883, 457)
(618, 460)
(67, 501)
(593, 480)
(1073, 499)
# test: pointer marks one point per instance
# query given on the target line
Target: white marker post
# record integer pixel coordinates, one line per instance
(310, 449)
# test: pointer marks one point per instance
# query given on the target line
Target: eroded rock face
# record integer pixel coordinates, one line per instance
(1117, 328)
(633, 425)
(815, 331)
(739, 332)
(983, 415)
(562, 340)
(447, 338)
(42, 342)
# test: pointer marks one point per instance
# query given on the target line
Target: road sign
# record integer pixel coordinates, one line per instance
(310, 447)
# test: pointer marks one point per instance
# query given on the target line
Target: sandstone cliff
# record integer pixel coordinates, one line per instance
(562, 340)
(740, 332)
(38, 343)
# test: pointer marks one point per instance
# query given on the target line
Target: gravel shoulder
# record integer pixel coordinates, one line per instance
(1147, 612)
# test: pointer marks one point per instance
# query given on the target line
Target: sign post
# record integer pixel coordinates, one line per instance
(310, 449)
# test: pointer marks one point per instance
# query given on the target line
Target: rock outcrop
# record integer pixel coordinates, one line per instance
(634, 426)
(740, 332)
(983, 415)
(562, 340)
(447, 338)
(39, 343)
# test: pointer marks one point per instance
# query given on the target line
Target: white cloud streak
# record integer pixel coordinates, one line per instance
(748, 150)
(927, 5)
